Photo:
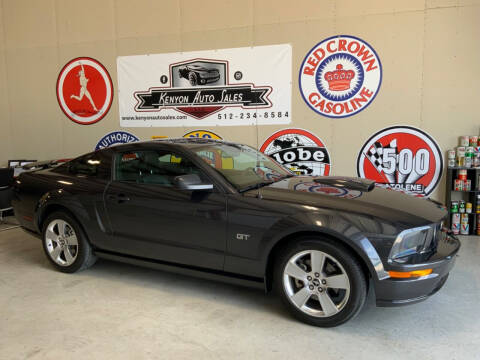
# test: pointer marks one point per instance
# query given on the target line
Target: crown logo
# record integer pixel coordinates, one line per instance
(339, 79)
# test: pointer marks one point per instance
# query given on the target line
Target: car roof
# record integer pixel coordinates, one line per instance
(180, 142)
(196, 66)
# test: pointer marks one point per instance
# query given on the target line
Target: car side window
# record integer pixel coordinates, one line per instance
(153, 167)
(93, 164)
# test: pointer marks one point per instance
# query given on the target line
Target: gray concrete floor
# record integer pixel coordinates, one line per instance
(118, 311)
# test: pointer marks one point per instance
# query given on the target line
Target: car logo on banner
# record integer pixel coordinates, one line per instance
(340, 76)
(299, 150)
(84, 90)
(114, 138)
(199, 88)
(202, 134)
(402, 158)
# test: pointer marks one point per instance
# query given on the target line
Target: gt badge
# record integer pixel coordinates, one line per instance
(402, 158)
(84, 90)
(340, 76)
(299, 150)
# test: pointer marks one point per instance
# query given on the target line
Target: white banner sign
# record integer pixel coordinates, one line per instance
(241, 86)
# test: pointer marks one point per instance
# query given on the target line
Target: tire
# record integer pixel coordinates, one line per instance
(192, 78)
(341, 280)
(68, 250)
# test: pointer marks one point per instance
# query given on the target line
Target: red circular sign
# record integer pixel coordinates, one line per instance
(299, 150)
(84, 90)
(402, 158)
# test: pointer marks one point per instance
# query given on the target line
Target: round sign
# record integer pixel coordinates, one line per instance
(84, 90)
(340, 76)
(402, 158)
(299, 150)
(114, 138)
(202, 134)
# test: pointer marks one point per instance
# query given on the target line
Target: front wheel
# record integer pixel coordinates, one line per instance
(320, 282)
(65, 243)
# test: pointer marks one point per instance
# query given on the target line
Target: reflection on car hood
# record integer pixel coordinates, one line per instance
(355, 195)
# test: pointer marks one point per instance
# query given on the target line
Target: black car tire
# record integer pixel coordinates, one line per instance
(352, 267)
(85, 256)
(192, 78)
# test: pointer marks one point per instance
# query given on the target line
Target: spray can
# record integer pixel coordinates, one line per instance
(454, 207)
(461, 156)
(458, 185)
(473, 140)
(451, 158)
(468, 207)
(456, 223)
(478, 224)
(464, 226)
(464, 140)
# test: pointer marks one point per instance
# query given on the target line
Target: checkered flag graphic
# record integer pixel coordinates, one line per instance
(375, 155)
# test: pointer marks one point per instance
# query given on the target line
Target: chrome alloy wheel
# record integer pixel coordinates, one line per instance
(61, 242)
(316, 283)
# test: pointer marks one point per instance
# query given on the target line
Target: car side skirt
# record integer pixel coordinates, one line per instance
(208, 274)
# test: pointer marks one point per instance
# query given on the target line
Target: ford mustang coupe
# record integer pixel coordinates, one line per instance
(224, 211)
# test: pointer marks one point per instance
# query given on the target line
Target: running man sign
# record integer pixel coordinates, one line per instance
(84, 90)
(241, 86)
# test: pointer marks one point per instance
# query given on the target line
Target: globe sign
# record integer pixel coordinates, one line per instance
(300, 150)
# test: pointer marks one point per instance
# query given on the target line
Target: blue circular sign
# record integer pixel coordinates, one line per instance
(114, 138)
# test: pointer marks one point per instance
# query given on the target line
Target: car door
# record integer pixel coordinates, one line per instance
(152, 218)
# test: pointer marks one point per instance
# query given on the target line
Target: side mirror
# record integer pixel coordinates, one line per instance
(191, 182)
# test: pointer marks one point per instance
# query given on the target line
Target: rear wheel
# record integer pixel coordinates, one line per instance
(65, 243)
(320, 282)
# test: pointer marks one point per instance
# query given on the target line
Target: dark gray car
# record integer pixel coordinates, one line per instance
(225, 211)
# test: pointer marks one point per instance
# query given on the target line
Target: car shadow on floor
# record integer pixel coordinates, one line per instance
(114, 274)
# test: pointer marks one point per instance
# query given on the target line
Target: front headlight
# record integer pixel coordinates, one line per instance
(411, 241)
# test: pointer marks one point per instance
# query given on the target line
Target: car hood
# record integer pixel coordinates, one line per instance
(355, 195)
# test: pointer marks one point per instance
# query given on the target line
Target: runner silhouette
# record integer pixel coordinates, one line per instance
(83, 88)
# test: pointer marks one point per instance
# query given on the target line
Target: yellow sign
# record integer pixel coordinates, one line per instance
(202, 134)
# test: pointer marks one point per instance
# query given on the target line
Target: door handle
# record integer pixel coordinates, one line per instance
(119, 198)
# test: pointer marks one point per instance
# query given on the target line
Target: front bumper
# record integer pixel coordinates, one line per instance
(397, 292)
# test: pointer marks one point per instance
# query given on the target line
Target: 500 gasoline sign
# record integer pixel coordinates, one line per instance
(402, 158)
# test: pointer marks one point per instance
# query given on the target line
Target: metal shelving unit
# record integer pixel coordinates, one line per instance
(468, 196)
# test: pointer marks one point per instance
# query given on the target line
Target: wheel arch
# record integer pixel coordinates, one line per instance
(287, 239)
(50, 209)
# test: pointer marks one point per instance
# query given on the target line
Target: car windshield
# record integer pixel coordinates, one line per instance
(244, 167)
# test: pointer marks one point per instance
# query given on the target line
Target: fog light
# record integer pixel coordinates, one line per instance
(410, 274)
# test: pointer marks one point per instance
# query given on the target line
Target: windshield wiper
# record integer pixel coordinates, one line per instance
(256, 186)
(285, 177)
